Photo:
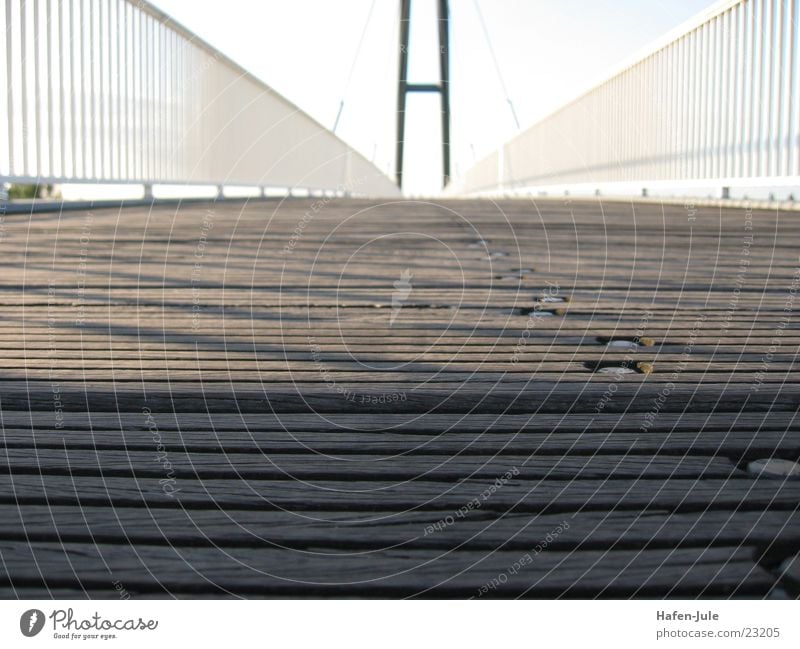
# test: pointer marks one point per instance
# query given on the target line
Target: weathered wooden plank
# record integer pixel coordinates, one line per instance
(258, 466)
(184, 570)
(464, 529)
(633, 393)
(136, 349)
(678, 495)
(738, 444)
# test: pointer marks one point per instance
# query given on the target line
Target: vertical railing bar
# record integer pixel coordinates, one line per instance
(73, 94)
(694, 114)
(683, 132)
(651, 93)
(738, 70)
(683, 102)
(659, 77)
(139, 108)
(716, 131)
(700, 106)
(691, 61)
(144, 110)
(24, 84)
(769, 98)
(130, 89)
(763, 124)
(125, 96)
(744, 80)
(153, 74)
(667, 116)
(136, 113)
(175, 103)
(125, 114)
(180, 104)
(155, 98)
(162, 103)
(113, 90)
(92, 95)
(61, 94)
(755, 83)
(722, 108)
(118, 7)
(679, 85)
(117, 96)
(731, 100)
(180, 138)
(713, 91)
(688, 100)
(130, 79)
(102, 54)
(776, 136)
(792, 149)
(12, 167)
(702, 58)
(680, 131)
(50, 112)
(747, 88)
(165, 102)
(734, 128)
(37, 92)
(148, 76)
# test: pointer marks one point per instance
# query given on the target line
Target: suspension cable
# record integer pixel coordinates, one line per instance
(496, 64)
(353, 66)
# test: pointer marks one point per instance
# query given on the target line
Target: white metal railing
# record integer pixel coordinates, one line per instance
(114, 91)
(715, 99)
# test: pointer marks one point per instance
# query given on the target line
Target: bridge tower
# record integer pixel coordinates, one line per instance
(443, 87)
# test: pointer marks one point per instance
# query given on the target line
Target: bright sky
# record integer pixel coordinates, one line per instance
(548, 51)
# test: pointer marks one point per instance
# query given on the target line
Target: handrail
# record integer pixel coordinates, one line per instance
(715, 100)
(115, 91)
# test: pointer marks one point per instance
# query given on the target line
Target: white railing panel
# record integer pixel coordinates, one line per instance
(715, 100)
(114, 91)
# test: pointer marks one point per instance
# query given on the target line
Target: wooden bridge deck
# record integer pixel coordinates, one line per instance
(339, 397)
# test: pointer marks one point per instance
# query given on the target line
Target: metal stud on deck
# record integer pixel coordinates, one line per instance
(625, 342)
(618, 368)
(615, 370)
(774, 468)
(789, 569)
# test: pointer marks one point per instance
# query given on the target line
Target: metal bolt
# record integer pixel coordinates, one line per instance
(616, 369)
(536, 312)
(774, 468)
(623, 344)
(790, 569)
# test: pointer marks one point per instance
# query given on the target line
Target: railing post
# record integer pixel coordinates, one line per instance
(148, 192)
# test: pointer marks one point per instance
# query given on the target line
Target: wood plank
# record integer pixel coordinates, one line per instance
(392, 573)
(463, 529)
(545, 496)
(121, 346)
